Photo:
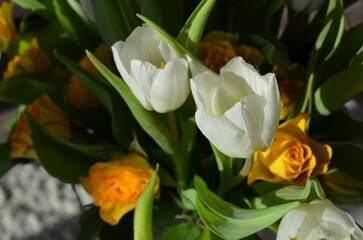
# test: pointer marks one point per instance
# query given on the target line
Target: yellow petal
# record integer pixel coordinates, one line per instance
(296, 127)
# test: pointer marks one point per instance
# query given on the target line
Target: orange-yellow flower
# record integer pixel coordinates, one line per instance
(32, 60)
(49, 115)
(290, 83)
(117, 185)
(292, 157)
(77, 92)
(218, 48)
(7, 27)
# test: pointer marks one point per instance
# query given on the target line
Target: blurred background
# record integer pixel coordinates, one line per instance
(34, 205)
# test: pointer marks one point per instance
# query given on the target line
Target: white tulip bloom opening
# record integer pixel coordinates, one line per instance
(318, 220)
(238, 110)
(152, 70)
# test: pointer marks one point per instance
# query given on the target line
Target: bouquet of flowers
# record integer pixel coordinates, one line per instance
(198, 119)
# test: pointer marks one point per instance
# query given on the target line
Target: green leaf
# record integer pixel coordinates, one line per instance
(77, 7)
(188, 198)
(179, 49)
(5, 162)
(182, 231)
(32, 5)
(60, 158)
(90, 224)
(272, 54)
(152, 10)
(192, 31)
(110, 22)
(144, 209)
(74, 25)
(348, 158)
(145, 118)
(232, 222)
(128, 9)
(339, 89)
(109, 98)
(331, 33)
(358, 58)
(16, 89)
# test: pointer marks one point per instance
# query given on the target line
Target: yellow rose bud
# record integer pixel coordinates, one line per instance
(218, 48)
(117, 185)
(77, 92)
(293, 156)
(7, 27)
(49, 115)
(32, 60)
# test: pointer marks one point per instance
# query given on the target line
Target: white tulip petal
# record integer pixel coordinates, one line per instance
(271, 111)
(248, 73)
(171, 87)
(167, 51)
(197, 67)
(205, 92)
(223, 134)
(144, 73)
(142, 44)
(291, 223)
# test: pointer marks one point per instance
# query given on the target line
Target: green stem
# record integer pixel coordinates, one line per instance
(173, 125)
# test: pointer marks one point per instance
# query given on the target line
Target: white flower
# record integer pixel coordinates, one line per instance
(152, 70)
(238, 111)
(306, 6)
(318, 220)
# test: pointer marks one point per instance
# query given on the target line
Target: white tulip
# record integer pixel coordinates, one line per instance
(318, 220)
(306, 6)
(238, 110)
(152, 70)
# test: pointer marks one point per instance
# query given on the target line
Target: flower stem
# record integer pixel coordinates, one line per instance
(173, 125)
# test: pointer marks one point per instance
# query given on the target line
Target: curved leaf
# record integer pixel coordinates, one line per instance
(232, 222)
(144, 209)
(145, 118)
(61, 159)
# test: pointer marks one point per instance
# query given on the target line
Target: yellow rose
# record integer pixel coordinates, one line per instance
(7, 27)
(290, 83)
(32, 60)
(292, 157)
(77, 92)
(49, 115)
(117, 185)
(218, 48)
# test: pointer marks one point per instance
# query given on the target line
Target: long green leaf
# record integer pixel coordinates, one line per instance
(231, 222)
(128, 9)
(182, 231)
(144, 209)
(192, 31)
(72, 23)
(5, 162)
(348, 158)
(148, 122)
(339, 89)
(109, 20)
(61, 159)
(32, 5)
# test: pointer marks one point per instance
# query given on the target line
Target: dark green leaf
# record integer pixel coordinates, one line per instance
(272, 54)
(17, 89)
(60, 158)
(110, 22)
(32, 5)
(182, 231)
(339, 89)
(348, 158)
(128, 9)
(109, 98)
(5, 162)
(90, 224)
(152, 10)
(74, 25)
